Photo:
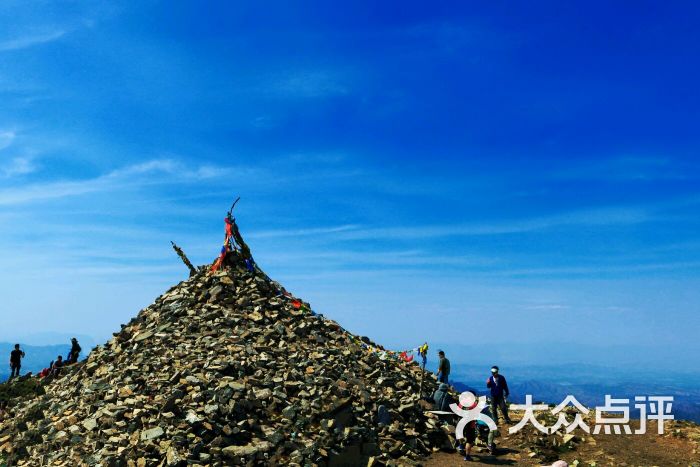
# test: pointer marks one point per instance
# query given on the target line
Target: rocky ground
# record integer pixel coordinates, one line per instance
(679, 446)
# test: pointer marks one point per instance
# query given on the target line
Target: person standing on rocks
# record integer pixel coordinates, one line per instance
(443, 372)
(16, 357)
(74, 351)
(499, 393)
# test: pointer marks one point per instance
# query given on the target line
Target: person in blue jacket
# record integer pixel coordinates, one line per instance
(499, 393)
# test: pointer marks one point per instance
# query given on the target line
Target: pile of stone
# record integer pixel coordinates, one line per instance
(225, 369)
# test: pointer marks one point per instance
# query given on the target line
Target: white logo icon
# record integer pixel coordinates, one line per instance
(473, 406)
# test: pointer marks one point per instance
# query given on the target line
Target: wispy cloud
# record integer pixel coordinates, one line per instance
(285, 233)
(629, 168)
(348, 258)
(418, 270)
(6, 139)
(30, 40)
(17, 166)
(590, 217)
(596, 270)
(548, 307)
(132, 175)
(308, 84)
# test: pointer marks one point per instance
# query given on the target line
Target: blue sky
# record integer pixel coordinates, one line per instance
(498, 174)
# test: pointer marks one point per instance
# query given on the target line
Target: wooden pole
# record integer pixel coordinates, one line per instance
(184, 259)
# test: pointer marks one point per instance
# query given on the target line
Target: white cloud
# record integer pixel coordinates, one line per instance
(309, 84)
(156, 165)
(628, 169)
(548, 307)
(27, 41)
(286, 233)
(132, 175)
(6, 139)
(17, 166)
(601, 216)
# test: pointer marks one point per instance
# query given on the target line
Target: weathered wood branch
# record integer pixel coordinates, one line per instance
(184, 259)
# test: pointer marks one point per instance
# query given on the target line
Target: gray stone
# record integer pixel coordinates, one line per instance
(152, 433)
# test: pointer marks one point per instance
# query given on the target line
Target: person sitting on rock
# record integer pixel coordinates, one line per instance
(16, 357)
(74, 351)
(442, 398)
(45, 372)
(57, 365)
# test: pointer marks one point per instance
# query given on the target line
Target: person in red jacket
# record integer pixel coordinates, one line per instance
(499, 393)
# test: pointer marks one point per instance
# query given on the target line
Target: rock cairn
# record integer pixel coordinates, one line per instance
(225, 369)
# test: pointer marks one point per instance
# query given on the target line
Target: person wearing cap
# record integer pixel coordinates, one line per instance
(443, 372)
(499, 393)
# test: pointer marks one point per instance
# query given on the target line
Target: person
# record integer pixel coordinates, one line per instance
(469, 432)
(16, 357)
(56, 366)
(483, 431)
(443, 372)
(442, 398)
(74, 351)
(423, 352)
(45, 372)
(499, 393)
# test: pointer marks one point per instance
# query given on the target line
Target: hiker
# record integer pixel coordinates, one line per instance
(57, 365)
(485, 433)
(16, 357)
(423, 352)
(45, 372)
(499, 393)
(469, 432)
(442, 398)
(443, 368)
(74, 351)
